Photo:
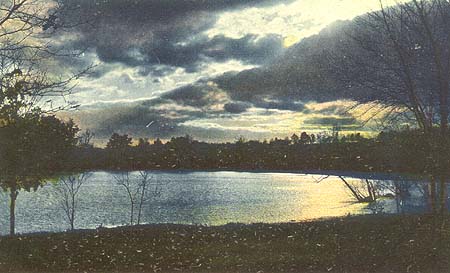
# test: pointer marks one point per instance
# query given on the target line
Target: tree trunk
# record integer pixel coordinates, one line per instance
(140, 204)
(132, 213)
(442, 196)
(443, 128)
(444, 119)
(12, 211)
(433, 195)
(72, 217)
(355, 194)
(370, 190)
(139, 213)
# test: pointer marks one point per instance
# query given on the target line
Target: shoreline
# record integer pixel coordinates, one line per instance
(231, 224)
(351, 174)
(388, 243)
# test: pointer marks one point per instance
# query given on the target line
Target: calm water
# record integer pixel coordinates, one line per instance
(212, 198)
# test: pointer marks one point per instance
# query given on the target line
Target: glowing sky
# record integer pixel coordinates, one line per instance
(157, 61)
(293, 21)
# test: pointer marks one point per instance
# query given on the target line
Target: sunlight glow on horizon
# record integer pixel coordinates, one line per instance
(283, 123)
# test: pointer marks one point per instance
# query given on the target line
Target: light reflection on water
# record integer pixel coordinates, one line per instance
(212, 198)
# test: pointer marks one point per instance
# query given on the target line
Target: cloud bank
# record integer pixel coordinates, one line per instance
(212, 69)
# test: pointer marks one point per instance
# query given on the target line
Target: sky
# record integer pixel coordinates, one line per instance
(213, 69)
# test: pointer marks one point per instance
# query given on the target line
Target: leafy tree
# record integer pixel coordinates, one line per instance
(241, 140)
(32, 150)
(119, 142)
(181, 151)
(158, 142)
(143, 143)
(305, 138)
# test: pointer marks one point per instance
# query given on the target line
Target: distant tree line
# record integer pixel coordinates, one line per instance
(407, 151)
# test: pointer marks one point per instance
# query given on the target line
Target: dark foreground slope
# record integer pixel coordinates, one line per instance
(359, 244)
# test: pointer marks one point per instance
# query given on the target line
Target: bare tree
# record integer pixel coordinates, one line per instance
(29, 33)
(401, 54)
(85, 138)
(68, 190)
(137, 191)
(123, 180)
(364, 191)
(147, 192)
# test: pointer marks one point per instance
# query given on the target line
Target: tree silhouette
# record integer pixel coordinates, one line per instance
(119, 142)
(33, 149)
(143, 143)
(305, 138)
(400, 57)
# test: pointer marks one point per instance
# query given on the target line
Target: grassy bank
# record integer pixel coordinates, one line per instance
(353, 244)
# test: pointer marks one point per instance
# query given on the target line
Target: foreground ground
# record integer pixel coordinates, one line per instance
(353, 244)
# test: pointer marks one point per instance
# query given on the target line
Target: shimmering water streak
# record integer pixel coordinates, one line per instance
(213, 198)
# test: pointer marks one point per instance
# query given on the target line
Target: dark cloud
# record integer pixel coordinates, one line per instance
(188, 55)
(132, 118)
(203, 94)
(301, 73)
(159, 10)
(317, 69)
(246, 86)
(150, 33)
(148, 54)
(197, 95)
(236, 107)
(250, 48)
(188, 95)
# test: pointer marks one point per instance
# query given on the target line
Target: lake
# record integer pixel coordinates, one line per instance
(214, 198)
